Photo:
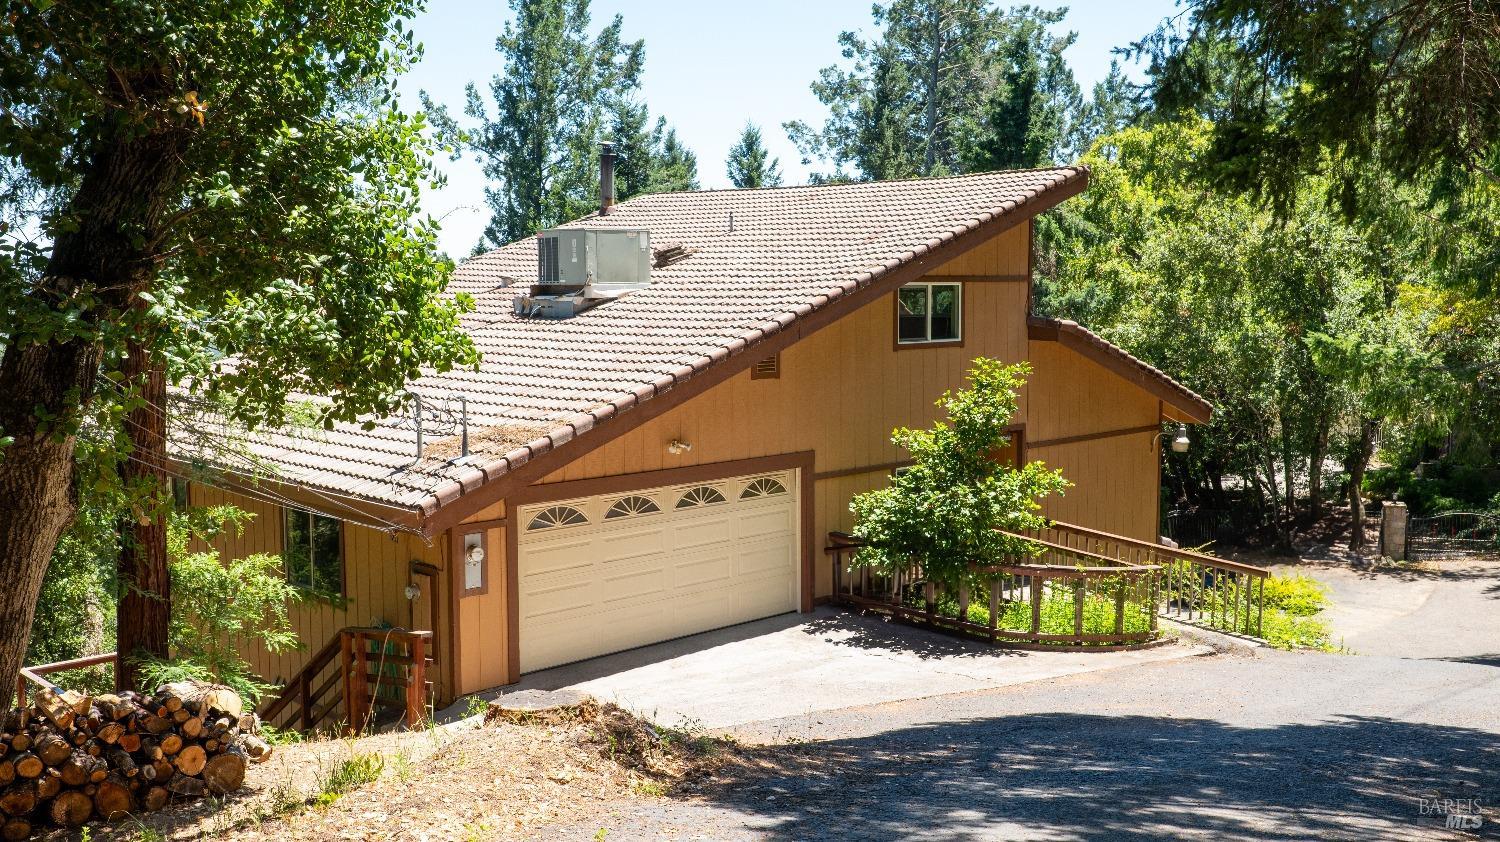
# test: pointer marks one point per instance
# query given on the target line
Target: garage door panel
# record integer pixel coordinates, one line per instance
(559, 555)
(548, 604)
(631, 543)
(765, 556)
(587, 589)
(765, 597)
(774, 521)
(693, 533)
(634, 584)
(689, 573)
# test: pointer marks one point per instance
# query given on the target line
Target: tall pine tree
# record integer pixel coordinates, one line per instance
(1030, 115)
(551, 107)
(749, 164)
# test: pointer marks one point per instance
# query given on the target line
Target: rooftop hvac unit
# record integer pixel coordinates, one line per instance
(578, 268)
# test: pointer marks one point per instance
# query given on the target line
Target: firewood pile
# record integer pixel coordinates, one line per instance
(67, 757)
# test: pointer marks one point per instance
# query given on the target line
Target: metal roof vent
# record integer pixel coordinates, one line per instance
(579, 268)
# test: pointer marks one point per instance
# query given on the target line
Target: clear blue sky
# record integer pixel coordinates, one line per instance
(710, 66)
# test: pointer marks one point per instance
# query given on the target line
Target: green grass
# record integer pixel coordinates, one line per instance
(1287, 619)
(348, 775)
(1057, 610)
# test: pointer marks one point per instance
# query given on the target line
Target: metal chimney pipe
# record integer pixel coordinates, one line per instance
(606, 177)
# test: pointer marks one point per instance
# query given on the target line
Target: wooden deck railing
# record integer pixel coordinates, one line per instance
(1066, 599)
(35, 675)
(371, 669)
(1195, 588)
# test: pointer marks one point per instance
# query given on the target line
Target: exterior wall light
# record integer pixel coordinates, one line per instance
(1180, 442)
(677, 447)
(413, 591)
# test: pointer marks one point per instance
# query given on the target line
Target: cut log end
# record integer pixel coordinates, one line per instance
(225, 773)
(71, 808)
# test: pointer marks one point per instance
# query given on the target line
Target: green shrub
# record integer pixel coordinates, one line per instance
(1298, 595)
(945, 509)
(219, 607)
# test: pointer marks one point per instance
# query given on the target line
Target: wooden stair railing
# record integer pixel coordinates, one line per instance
(1196, 588)
(338, 678)
(303, 696)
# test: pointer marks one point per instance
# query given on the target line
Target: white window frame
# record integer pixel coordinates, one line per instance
(958, 313)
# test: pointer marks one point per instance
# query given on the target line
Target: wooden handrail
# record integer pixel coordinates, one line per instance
(348, 645)
(34, 674)
(1186, 555)
(1107, 561)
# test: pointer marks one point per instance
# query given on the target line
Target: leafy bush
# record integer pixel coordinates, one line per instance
(945, 509)
(1298, 595)
(219, 607)
(1446, 487)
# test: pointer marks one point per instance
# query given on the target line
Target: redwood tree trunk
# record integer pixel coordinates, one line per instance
(145, 609)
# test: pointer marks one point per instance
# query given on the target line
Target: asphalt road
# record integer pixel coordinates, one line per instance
(1269, 745)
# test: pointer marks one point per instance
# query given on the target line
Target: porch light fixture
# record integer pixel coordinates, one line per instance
(1181, 441)
(677, 447)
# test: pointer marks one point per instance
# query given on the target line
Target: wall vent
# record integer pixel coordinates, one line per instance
(767, 369)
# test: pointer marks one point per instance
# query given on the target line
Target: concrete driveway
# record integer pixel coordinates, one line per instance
(1448, 610)
(797, 665)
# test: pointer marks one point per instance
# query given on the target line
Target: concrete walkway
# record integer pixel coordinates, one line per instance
(799, 665)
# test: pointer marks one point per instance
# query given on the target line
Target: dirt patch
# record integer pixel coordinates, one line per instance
(504, 779)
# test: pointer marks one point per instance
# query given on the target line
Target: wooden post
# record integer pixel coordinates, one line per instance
(994, 607)
(346, 673)
(963, 603)
(1036, 603)
(416, 681)
(1079, 586)
(303, 692)
(360, 683)
(929, 596)
(1120, 605)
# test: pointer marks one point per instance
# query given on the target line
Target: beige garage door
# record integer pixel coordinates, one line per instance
(602, 574)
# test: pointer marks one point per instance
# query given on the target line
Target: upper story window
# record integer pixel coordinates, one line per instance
(927, 313)
(314, 552)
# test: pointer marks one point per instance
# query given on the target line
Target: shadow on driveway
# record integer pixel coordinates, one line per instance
(1073, 776)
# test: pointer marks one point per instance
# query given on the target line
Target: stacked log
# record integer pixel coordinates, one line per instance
(67, 758)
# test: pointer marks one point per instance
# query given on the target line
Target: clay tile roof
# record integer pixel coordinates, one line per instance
(791, 251)
(1117, 359)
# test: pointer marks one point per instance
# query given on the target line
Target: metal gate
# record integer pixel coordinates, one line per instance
(1454, 535)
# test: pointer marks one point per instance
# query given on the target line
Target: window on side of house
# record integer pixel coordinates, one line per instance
(929, 313)
(314, 552)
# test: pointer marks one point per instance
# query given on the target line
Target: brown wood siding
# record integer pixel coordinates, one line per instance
(483, 630)
(377, 569)
(1078, 404)
(841, 392)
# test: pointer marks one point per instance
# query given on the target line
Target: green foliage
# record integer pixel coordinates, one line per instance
(749, 164)
(220, 608)
(939, 75)
(1333, 88)
(945, 509)
(349, 774)
(1028, 118)
(275, 212)
(559, 95)
(1057, 615)
(1297, 333)
(1445, 487)
(1297, 594)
